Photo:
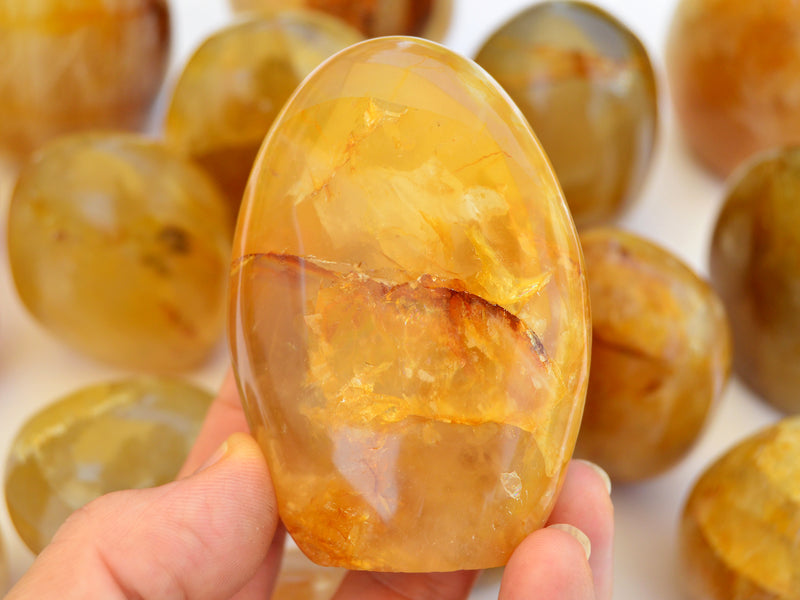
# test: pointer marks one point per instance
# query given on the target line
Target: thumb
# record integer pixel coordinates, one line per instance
(200, 538)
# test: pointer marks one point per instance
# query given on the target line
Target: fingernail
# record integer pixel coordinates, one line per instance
(215, 457)
(582, 538)
(599, 470)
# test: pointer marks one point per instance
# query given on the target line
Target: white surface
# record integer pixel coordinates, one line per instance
(676, 209)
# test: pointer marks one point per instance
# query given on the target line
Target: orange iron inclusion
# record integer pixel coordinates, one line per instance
(409, 316)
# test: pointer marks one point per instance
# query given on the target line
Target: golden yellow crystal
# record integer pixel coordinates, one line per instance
(409, 317)
(741, 523)
(236, 83)
(131, 433)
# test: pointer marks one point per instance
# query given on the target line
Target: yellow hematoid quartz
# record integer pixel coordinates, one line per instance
(130, 433)
(409, 317)
(120, 248)
(75, 65)
(236, 83)
(661, 355)
(741, 523)
(374, 18)
(586, 85)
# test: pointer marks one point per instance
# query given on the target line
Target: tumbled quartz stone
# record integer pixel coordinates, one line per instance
(741, 523)
(130, 433)
(734, 75)
(233, 86)
(120, 248)
(661, 355)
(586, 85)
(755, 267)
(409, 319)
(373, 18)
(82, 64)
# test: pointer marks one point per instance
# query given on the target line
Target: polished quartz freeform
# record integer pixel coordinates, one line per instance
(120, 248)
(741, 523)
(587, 87)
(374, 18)
(131, 433)
(734, 75)
(76, 65)
(755, 269)
(409, 319)
(661, 355)
(233, 86)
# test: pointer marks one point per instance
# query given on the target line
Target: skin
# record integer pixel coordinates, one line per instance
(215, 534)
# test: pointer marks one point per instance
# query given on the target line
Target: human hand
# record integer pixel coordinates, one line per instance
(215, 534)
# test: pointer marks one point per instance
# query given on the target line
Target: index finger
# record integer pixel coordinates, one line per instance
(224, 418)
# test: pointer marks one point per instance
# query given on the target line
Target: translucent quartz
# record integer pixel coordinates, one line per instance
(131, 433)
(741, 524)
(734, 74)
(424, 18)
(661, 355)
(586, 85)
(77, 65)
(755, 269)
(233, 86)
(409, 319)
(120, 248)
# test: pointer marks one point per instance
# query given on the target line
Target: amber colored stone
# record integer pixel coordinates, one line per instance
(586, 84)
(661, 355)
(373, 18)
(734, 74)
(236, 82)
(120, 248)
(409, 318)
(301, 579)
(131, 433)
(4, 577)
(755, 267)
(82, 64)
(741, 523)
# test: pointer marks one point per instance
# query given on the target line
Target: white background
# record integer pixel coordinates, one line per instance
(677, 209)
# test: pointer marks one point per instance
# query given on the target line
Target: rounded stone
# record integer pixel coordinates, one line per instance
(409, 318)
(586, 84)
(734, 75)
(131, 433)
(661, 355)
(83, 64)
(119, 247)
(755, 267)
(741, 523)
(373, 18)
(233, 86)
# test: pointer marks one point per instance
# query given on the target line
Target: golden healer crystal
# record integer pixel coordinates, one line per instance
(409, 316)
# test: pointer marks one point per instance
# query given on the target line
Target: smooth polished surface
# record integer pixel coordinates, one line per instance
(586, 85)
(741, 523)
(120, 248)
(408, 306)
(661, 355)
(373, 18)
(83, 64)
(756, 269)
(734, 75)
(130, 433)
(236, 82)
